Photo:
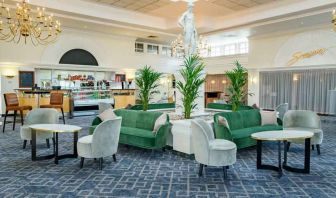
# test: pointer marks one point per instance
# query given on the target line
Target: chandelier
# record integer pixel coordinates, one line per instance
(179, 49)
(25, 24)
(189, 42)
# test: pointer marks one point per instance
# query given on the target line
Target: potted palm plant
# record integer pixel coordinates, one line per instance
(147, 81)
(192, 75)
(237, 90)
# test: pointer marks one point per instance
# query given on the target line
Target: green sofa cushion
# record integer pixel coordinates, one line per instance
(251, 118)
(242, 133)
(146, 120)
(137, 137)
(234, 119)
(129, 117)
(247, 132)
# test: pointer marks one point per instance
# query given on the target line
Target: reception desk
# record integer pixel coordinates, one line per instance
(75, 100)
(35, 98)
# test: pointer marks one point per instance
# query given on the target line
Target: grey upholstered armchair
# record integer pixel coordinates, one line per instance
(282, 109)
(306, 121)
(103, 142)
(210, 151)
(39, 116)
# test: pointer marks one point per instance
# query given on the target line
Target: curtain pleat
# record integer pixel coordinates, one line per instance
(301, 89)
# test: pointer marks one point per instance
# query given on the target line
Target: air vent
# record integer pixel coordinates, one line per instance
(152, 36)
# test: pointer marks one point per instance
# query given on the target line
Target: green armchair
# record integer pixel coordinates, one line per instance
(137, 129)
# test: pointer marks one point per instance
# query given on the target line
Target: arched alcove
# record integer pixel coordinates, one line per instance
(78, 57)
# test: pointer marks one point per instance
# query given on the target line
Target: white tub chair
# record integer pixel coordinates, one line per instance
(39, 116)
(103, 142)
(305, 121)
(210, 151)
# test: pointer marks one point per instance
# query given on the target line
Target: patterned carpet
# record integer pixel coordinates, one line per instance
(146, 173)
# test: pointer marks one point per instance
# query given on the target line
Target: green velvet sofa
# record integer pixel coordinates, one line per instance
(155, 106)
(137, 129)
(220, 106)
(242, 124)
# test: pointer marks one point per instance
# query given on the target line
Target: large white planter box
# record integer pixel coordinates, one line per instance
(182, 136)
(181, 132)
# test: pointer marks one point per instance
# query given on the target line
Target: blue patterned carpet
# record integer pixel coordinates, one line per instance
(146, 173)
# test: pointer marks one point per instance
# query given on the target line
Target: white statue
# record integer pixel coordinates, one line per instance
(187, 22)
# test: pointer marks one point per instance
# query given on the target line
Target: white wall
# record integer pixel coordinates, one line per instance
(115, 52)
(273, 52)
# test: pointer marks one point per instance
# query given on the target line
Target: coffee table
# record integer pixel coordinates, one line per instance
(55, 129)
(279, 136)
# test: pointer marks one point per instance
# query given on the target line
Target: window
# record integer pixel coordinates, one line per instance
(228, 49)
(139, 47)
(167, 51)
(152, 49)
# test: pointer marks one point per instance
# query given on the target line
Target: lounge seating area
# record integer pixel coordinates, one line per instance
(168, 98)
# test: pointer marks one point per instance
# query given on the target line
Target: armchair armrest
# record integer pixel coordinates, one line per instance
(161, 135)
(222, 132)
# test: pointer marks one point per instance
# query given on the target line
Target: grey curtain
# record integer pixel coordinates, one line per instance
(301, 89)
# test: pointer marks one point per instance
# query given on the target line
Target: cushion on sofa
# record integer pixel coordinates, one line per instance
(268, 117)
(251, 118)
(223, 121)
(234, 119)
(137, 137)
(266, 128)
(242, 133)
(146, 120)
(161, 120)
(108, 114)
(129, 117)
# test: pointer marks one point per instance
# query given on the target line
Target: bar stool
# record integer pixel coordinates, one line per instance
(12, 104)
(56, 102)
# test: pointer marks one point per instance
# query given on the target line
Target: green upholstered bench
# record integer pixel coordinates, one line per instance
(137, 129)
(242, 124)
(228, 107)
(156, 106)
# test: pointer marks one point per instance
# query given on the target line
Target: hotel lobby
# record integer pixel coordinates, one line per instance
(168, 98)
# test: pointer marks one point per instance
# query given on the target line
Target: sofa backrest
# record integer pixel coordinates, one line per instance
(241, 119)
(221, 106)
(138, 119)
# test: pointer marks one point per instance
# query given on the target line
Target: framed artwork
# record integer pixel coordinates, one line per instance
(26, 79)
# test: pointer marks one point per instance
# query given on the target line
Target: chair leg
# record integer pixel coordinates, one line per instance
(225, 171)
(200, 172)
(15, 112)
(312, 147)
(100, 163)
(48, 144)
(81, 162)
(4, 123)
(114, 157)
(318, 149)
(63, 115)
(288, 145)
(24, 144)
(21, 115)
(53, 140)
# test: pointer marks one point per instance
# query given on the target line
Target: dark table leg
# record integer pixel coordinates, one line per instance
(75, 144)
(56, 149)
(306, 168)
(266, 166)
(33, 146)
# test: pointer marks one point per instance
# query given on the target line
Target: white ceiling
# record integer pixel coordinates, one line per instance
(170, 9)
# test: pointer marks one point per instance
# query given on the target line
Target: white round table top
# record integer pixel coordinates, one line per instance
(282, 135)
(57, 128)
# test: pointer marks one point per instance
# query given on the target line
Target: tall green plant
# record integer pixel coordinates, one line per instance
(192, 81)
(147, 82)
(237, 92)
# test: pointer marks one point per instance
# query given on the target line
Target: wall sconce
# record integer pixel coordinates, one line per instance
(213, 82)
(295, 77)
(9, 76)
(254, 80)
(224, 81)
